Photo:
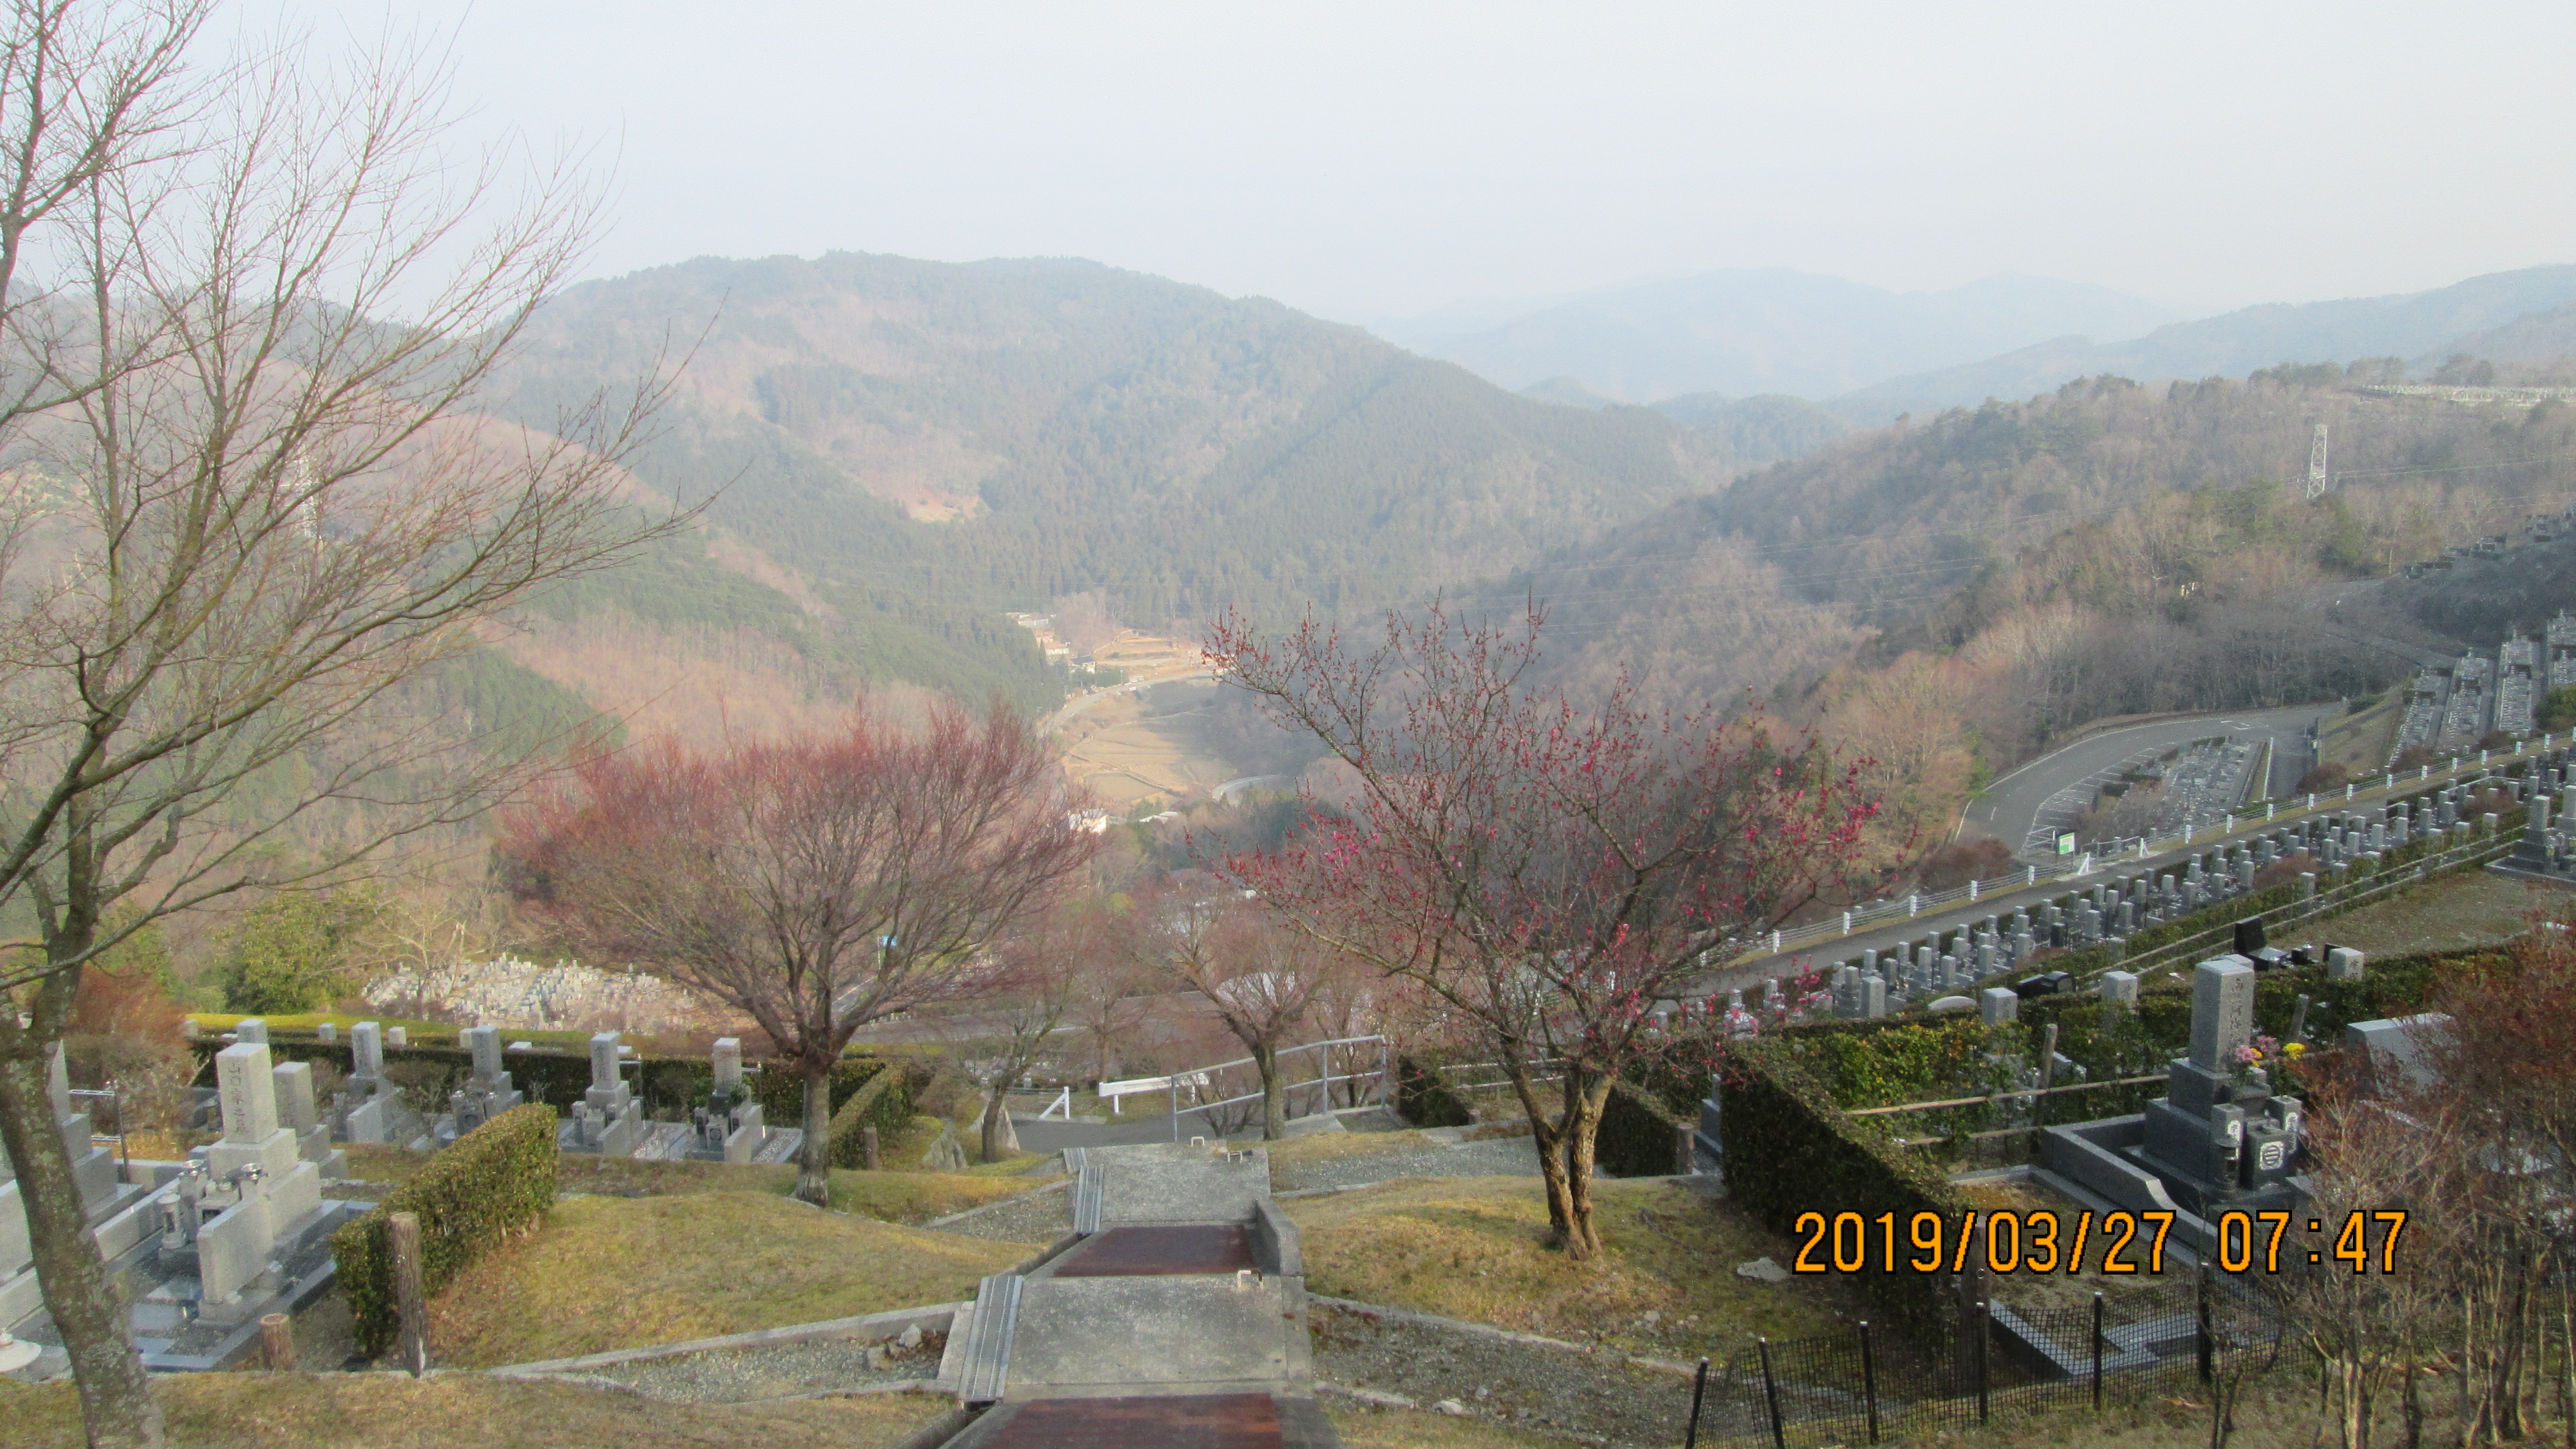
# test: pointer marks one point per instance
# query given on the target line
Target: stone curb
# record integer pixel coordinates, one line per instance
(893, 1322)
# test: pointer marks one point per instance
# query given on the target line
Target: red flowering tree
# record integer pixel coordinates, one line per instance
(814, 884)
(1546, 873)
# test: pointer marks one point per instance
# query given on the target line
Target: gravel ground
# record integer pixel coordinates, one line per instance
(2472, 908)
(1495, 1157)
(1038, 1217)
(740, 1375)
(1530, 1386)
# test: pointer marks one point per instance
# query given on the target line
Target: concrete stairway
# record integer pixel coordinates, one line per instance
(1173, 1314)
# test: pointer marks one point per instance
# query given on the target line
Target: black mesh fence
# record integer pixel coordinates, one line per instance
(1867, 1385)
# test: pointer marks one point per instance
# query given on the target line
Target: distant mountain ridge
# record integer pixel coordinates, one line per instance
(2238, 343)
(909, 448)
(1772, 330)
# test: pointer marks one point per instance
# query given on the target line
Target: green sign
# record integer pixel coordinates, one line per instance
(2066, 842)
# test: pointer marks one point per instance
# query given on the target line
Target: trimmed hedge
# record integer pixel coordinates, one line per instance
(884, 1102)
(1637, 1137)
(1424, 1099)
(1789, 1150)
(495, 1182)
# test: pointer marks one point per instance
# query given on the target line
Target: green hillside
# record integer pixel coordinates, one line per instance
(927, 445)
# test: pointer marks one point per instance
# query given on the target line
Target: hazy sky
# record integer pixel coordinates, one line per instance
(1385, 159)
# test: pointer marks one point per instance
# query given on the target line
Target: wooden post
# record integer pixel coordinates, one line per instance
(277, 1342)
(412, 1348)
(1983, 1333)
(868, 1146)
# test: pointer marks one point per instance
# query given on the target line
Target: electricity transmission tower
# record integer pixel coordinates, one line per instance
(2317, 477)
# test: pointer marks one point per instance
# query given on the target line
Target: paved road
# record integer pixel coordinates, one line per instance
(2025, 808)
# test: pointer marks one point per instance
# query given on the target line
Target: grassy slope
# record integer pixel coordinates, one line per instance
(390, 1411)
(606, 1273)
(1474, 1248)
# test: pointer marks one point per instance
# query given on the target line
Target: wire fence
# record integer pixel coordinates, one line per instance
(1868, 1385)
(2103, 854)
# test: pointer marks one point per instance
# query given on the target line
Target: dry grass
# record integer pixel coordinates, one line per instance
(1474, 1248)
(1339, 1146)
(1363, 1426)
(2469, 908)
(392, 1411)
(2363, 742)
(605, 1273)
(893, 1197)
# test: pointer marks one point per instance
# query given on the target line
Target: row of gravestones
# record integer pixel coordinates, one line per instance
(608, 1121)
(1948, 961)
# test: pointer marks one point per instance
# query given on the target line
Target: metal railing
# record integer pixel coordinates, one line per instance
(1223, 1112)
(2256, 816)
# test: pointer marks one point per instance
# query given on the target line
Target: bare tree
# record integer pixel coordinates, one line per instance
(1039, 981)
(1546, 874)
(814, 884)
(1260, 976)
(246, 509)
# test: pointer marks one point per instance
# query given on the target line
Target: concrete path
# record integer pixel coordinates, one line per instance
(1174, 1313)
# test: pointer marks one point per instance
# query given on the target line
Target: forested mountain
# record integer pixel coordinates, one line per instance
(2235, 343)
(1964, 588)
(1775, 331)
(1771, 428)
(901, 450)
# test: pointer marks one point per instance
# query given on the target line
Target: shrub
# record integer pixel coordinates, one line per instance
(1637, 1137)
(493, 1184)
(2415, 757)
(1960, 862)
(884, 1102)
(2496, 740)
(1424, 1100)
(1789, 1151)
(2558, 710)
(2328, 776)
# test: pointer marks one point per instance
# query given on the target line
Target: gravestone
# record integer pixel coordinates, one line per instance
(2120, 988)
(2218, 1135)
(1998, 1004)
(609, 1120)
(301, 1115)
(259, 1176)
(487, 1093)
(2343, 964)
(93, 1172)
(328, 1031)
(397, 1036)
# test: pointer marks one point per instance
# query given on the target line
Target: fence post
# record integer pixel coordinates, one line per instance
(1869, 1380)
(2097, 1353)
(1771, 1394)
(277, 1343)
(868, 1145)
(2200, 1322)
(1699, 1388)
(1983, 1334)
(412, 1348)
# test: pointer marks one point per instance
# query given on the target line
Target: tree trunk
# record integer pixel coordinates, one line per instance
(116, 1395)
(1582, 1128)
(1274, 1107)
(995, 1103)
(814, 1161)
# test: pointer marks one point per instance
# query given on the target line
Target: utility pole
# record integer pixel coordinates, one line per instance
(2317, 476)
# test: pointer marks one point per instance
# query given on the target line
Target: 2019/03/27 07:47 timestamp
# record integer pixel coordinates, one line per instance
(2047, 1241)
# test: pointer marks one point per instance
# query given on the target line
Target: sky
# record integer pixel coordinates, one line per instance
(1386, 160)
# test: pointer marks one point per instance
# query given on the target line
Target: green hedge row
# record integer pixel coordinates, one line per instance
(1424, 1099)
(1637, 1136)
(495, 1182)
(1788, 1150)
(883, 1101)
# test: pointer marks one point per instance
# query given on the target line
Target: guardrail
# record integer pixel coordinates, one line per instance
(1867, 917)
